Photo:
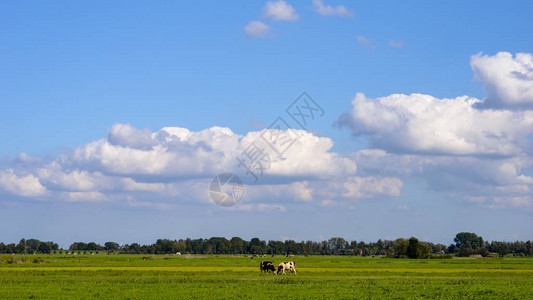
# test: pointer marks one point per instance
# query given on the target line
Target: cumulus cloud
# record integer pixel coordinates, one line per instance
(137, 167)
(257, 29)
(507, 80)
(177, 152)
(279, 10)
(367, 187)
(419, 123)
(129, 136)
(473, 179)
(328, 10)
(474, 150)
(21, 185)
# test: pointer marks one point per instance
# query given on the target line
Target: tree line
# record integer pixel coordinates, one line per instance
(465, 244)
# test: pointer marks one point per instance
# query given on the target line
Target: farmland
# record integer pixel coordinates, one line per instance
(196, 276)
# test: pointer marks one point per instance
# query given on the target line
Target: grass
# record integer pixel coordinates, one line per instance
(237, 277)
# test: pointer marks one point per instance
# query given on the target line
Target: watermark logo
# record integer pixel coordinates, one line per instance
(304, 109)
(226, 189)
(280, 136)
(254, 160)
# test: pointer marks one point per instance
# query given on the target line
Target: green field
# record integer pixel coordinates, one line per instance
(238, 277)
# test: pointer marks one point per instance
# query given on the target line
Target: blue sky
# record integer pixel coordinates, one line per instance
(85, 89)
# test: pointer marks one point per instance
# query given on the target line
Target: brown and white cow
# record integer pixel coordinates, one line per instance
(291, 266)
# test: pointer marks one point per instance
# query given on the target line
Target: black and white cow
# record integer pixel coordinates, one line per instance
(291, 266)
(267, 266)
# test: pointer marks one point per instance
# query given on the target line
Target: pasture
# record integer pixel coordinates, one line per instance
(232, 277)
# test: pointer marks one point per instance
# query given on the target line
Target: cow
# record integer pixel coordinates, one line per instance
(291, 266)
(267, 266)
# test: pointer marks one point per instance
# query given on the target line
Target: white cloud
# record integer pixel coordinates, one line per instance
(259, 207)
(301, 159)
(279, 10)
(507, 80)
(396, 44)
(175, 152)
(419, 123)
(86, 196)
(257, 29)
(369, 187)
(75, 180)
(149, 169)
(178, 152)
(328, 10)
(470, 178)
(300, 191)
(129, 136)
(21, 185)
(365, 41)
(515, 201)
(271, 207)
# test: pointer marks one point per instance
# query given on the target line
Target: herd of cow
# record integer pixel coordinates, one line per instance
(268, 266)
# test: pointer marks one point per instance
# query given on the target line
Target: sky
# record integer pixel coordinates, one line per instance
(116, 117)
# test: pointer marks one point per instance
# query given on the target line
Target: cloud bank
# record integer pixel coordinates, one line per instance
(175, 165)
(478, 150)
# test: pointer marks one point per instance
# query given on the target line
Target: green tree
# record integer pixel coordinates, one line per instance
(502, 248)
(400, 247)
(337, 244)
(467, 243)
(92, 246)
(111, 246)
(21, 246)
(423, 250)
(44, 247)
(412, 248)
(236, 245)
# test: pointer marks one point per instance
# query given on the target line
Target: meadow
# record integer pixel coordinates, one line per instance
(238, 277)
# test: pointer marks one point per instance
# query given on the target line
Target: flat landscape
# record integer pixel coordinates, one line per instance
(231, 277)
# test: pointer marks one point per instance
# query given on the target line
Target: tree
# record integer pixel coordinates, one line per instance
(111, 246)
(292, 247)
(400, 247)
(412, 248)
(236, 245)
(417, 249)
(468, 243)
(44, 247)
(78, 246)
(276, 247)
(21, 246)
(135, 248)
(423, 250)
(502, 248)
(257, 246)
(92, 246)
(337, 244)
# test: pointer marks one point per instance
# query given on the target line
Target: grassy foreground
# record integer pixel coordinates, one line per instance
(202, 277)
